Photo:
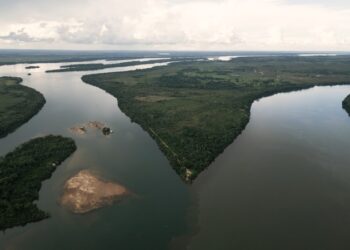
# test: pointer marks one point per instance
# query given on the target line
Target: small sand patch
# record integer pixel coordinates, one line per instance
(85, 192)
(79, 130)
(96, 125)
(82, 129)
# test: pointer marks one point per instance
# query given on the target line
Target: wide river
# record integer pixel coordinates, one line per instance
(283, 184)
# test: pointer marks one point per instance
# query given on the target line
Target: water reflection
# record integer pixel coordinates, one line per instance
(285, 182)
(129, 157)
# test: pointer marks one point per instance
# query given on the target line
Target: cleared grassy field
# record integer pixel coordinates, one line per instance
(194, 110)
(18, 104)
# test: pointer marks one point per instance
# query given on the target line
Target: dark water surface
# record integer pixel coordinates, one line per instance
(283, 184)
(147, 220)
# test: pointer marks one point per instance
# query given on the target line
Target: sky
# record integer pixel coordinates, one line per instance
(266, 25)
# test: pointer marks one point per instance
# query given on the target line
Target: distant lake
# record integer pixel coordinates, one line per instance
(283, 184)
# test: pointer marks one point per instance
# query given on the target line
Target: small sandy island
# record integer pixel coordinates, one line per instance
(82, 129)
(85, 192)
(79, 130)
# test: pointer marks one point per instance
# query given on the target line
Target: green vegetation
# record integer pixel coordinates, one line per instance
(21, 174)
(18, 104)
(346, 104)
(194, 110)
(33, 67)
(32, 57)
(99, 66)
(9, 57)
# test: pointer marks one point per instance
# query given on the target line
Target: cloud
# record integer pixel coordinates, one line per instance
(22, 36)
(18, 36)
(178, 24)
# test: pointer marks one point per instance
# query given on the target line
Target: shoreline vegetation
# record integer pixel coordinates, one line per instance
(18, 104)
(21, 174)
(194, 110)
(11, 57)
(32, 67)
(35, 57)
(346, 104)
(99, 66)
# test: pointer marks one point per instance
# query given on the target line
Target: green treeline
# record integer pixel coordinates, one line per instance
(18, 104)
(194, 110)
(21, 174)
(98, 66)
(346, 104)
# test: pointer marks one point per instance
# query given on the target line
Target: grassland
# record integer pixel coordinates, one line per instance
(21, 174)
(194, 110)
(18, 104)
(346, 104)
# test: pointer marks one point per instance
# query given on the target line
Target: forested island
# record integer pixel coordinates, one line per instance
(32, 67)
(10, 57)
(194, 110)
(346, 104)
(18, 104)
(21, 174)
(98, 66)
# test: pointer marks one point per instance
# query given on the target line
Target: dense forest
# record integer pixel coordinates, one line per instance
(18, 104)
(194, 110)
(346, 104)
(21, 174)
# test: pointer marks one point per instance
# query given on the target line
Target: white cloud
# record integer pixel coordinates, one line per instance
(177, 24)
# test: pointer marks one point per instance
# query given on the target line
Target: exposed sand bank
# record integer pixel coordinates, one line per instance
(85, 192)
(83, 129)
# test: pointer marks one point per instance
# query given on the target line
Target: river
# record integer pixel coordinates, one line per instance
(148, 220)
(283, 184)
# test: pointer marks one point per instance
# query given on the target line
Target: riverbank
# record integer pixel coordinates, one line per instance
(129, 157)
(21, 175)
(289, 165)
(11, 57)
(99, 66)
(346, 104)
(18, 104)
(203, 106)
